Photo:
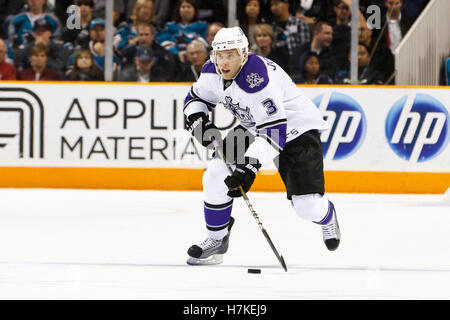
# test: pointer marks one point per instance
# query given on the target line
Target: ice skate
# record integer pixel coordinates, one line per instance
(331, 232)
(210, 251)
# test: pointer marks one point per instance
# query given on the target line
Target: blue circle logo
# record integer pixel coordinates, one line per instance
(417, 127)
(347, 123)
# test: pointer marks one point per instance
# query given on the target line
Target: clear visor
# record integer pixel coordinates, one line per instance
(227, 56)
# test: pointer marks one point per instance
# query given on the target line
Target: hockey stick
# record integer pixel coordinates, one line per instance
(249, 205)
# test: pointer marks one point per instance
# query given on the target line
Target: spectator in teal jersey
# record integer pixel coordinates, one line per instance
(143, 12)
(185, 28)
(21, 27)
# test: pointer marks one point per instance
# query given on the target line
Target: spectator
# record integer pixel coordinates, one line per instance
(7, 70)
(21, 27)
(42, 32)
(321, 45)
(197, 55)
(127, 33)
(161, 9)
(250, 19)
(213, 28)
(264, 5)
(84, 68)
(79, 37)
(310, 71)
(290, 32)
(185, 28)
(366, 73)
(38, 70)
(165, 60)
(265, 45)
(97, 46)
(382, 60)
(341, 30)
(142, 70)
(143, 12)
(398, 23)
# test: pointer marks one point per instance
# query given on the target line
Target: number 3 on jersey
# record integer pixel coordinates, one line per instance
(270, 106)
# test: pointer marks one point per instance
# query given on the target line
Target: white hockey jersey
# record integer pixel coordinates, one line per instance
(263, 98)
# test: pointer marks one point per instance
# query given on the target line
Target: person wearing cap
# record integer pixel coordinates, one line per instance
(165, 60)
(80, 36)
(22, 25)
(142, 70)
(42, 33)
(97, 30)
(96, 46)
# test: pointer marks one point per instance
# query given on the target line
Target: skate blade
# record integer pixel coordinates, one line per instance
(212, 260)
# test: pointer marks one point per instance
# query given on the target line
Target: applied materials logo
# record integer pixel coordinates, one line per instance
(347, 123)
(21, 124)
(417, 127)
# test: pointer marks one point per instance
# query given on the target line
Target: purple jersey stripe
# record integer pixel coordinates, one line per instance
(276, 134)
(217, 217)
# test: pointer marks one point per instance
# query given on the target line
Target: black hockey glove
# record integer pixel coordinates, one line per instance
(203, 129)
(243, 175)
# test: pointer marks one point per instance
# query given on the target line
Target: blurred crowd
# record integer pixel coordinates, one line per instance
(169, 40)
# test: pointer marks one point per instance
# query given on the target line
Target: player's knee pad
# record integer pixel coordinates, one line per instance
(310, 207)
(214, 187)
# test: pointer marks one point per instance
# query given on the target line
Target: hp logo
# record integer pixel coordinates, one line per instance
(417, 127)
(347, 123)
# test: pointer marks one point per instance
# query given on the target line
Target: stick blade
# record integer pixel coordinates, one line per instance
(283, 264)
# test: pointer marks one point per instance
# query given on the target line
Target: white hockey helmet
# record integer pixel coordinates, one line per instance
(230, 38)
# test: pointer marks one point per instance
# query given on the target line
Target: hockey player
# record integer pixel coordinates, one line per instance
(277, 123)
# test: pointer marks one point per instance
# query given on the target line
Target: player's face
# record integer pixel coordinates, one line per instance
(229, 63)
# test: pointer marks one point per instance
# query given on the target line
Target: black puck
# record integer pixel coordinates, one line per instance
(254, 270)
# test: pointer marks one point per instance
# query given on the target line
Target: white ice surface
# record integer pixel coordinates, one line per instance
(86, 244)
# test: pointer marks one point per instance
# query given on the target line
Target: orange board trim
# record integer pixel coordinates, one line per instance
(191, 179)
